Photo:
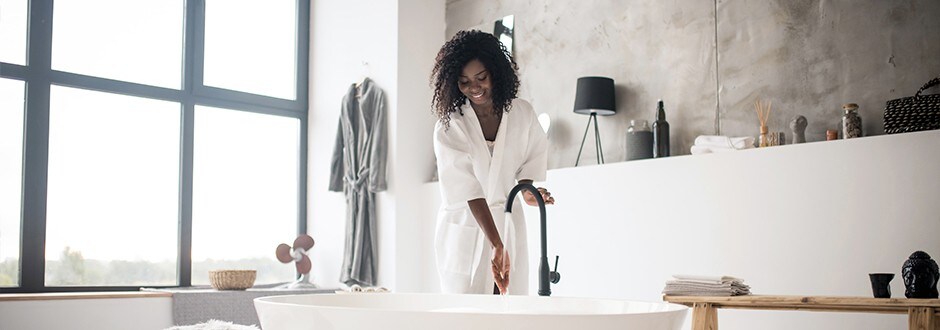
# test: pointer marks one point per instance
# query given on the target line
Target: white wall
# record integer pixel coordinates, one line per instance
(420, 35)
(398, 41)
(349, 40)
(87, 314)
(809, 219)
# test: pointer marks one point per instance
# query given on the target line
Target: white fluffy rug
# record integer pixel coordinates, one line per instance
(214, 325)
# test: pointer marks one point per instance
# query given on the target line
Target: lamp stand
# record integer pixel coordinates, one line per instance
(597, 141)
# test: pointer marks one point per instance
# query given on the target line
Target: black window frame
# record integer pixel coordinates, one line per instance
(39, 77)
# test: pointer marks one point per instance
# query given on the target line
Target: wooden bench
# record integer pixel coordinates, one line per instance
(923, 314)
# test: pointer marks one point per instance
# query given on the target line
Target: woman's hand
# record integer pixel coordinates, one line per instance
(530, 198)
(500, 263)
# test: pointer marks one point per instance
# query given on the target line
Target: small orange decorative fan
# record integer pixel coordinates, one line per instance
(297, 254)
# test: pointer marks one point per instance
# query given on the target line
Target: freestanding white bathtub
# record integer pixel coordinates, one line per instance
(437, 311)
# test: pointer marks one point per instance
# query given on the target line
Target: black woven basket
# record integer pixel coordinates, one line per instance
(914, 113)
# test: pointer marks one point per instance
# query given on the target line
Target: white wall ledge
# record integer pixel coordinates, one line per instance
(81, 295)
(806, 219)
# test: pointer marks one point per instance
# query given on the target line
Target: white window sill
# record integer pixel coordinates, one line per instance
(81, 295)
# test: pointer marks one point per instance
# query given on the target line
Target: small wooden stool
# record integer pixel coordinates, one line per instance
(923, 314)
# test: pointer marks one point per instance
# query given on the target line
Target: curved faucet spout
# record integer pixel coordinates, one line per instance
(530, 188)
(544, 274)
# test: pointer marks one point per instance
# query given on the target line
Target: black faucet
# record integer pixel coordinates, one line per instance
(545, 276)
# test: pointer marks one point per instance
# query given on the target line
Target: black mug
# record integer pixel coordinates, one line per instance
(881, 284)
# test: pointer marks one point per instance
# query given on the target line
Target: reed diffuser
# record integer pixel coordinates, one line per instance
(763, 113)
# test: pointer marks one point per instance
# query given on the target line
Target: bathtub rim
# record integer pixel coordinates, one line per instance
(672, 307)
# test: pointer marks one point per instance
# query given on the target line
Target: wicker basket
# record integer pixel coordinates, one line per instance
(231, 279)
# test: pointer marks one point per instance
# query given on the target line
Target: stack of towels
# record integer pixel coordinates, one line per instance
(214, 325)
(692, 285)
(706, 144)
(356, 288)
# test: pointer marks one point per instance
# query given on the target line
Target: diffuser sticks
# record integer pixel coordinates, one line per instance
(763, 113)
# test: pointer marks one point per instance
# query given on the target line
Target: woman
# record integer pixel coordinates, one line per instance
(486, 141)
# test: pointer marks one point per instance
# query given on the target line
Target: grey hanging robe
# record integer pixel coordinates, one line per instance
(358, 170)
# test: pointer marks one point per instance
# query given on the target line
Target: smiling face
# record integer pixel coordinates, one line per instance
(474, 82)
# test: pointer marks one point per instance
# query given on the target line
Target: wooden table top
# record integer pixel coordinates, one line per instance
(822, 303)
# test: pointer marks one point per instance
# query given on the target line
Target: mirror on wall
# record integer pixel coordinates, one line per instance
(503, 30)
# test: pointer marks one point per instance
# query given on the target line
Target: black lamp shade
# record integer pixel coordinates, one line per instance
(595, 95)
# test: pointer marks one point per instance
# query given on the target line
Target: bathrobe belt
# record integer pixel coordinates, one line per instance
(357, 183)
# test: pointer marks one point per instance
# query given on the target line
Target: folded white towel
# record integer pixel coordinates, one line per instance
(697, 293)
(698, 150)
(727, 293)
(214, 325)
(708, 279)
(720, 141)
(679, 286)
(698, 285)
(355, 288)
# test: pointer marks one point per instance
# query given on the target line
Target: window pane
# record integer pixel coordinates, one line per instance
(11, 174)
(138, 41)
(113, 189)
(257, 58)
(13, 20)
(245, 192)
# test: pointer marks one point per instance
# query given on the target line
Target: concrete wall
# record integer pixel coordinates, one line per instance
(710, 60)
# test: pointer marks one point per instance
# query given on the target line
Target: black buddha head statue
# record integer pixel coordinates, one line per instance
(920, 276)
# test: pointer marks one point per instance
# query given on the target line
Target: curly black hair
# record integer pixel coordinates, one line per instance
(455, 54)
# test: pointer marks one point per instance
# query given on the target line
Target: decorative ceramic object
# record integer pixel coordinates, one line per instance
(920, 276)
(881, 284)
(798, 126)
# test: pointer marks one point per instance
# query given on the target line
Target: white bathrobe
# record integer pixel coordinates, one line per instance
(467, 171)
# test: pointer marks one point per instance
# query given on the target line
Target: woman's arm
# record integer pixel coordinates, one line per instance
(500, 259)
(529, 198)
(481, 212)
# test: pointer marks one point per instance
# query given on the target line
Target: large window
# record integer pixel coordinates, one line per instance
(13, 31)
(113, 163)
(244, 191)
(270, 47)
(11, 171)
(138, 41)
(146, 142)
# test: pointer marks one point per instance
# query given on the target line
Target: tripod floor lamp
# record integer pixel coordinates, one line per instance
(595, 96)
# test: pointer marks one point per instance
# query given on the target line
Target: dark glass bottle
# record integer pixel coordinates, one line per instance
(660, 133)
